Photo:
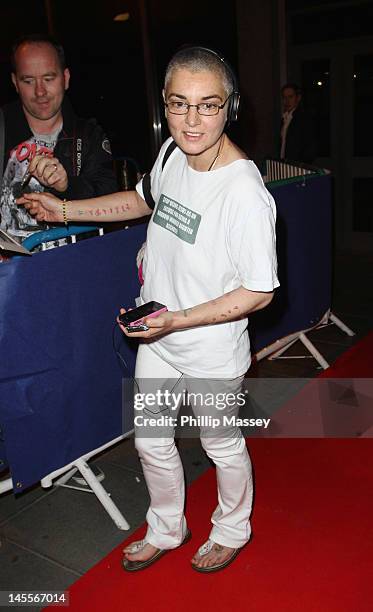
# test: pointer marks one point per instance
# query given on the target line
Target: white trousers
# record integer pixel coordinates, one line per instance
(162, 466)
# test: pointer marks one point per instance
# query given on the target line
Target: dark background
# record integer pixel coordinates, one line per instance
(117, 71)
(106, 58)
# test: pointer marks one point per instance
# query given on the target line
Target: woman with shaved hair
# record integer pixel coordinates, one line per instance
(210, 258)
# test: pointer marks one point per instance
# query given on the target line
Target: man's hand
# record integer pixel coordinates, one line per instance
(43, 206)
(49, 172)
(158, 326)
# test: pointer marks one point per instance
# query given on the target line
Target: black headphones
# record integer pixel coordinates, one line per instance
(234, 100)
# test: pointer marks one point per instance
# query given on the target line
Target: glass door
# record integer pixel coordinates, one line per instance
(361, 169)
(337, 82)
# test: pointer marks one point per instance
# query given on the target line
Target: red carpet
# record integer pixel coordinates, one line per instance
(336, 404)
(312, 550)
(357, 362)
(313, 544)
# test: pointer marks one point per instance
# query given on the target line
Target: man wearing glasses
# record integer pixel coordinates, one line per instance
(211, 259)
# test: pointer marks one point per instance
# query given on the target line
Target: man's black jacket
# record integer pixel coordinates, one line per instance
(82, 148)
(300, 138)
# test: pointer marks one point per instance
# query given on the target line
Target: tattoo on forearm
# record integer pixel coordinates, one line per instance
(99, 212)
(228, 315)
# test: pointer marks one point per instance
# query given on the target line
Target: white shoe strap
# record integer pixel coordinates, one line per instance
(136, 546)
(205, 548)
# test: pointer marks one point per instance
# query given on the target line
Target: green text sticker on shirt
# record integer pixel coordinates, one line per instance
(178, 219)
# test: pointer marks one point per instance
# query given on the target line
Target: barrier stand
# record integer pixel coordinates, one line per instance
(95, 486)
(303, 196)
(81, 463)
(276, 350)
(63, 474)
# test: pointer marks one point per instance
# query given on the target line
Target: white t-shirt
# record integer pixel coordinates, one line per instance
(210, 233)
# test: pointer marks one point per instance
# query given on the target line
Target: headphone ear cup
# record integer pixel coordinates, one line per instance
(234, 104)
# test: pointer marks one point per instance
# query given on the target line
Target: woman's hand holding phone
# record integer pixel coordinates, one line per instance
(148, 326)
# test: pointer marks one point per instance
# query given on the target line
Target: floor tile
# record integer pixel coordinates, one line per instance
(72, 526)
(11, 504)
(23, 570)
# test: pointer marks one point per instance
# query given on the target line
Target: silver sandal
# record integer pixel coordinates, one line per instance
(205, 549)
(134, 566)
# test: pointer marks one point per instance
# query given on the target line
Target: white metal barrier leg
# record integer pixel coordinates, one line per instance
(66, 477)
(89, 476)
(6, 485)
(341, 325)
(101, 494)
(313, 350)
(282, 350)
(276, 347)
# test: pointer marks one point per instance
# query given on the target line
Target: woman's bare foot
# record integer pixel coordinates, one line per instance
(215, 554)
(139, 551)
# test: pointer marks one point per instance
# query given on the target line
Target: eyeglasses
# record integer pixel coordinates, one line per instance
(176, 107)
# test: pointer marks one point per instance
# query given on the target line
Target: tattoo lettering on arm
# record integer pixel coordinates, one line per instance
(98, 212)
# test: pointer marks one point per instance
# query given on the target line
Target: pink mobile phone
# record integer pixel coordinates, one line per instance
(134, 317)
